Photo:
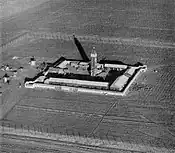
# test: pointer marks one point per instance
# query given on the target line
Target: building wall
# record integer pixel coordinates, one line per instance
(130, 71)
(80, 82)
(119, 82)
(116, 66)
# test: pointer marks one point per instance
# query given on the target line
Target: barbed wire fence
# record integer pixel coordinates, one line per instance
(76, 136)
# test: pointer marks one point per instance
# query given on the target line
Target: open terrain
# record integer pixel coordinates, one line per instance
(121, 18)
(11, 8)
(145, 117)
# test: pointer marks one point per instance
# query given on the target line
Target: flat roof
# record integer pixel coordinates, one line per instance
(120, 82)
(80, 82)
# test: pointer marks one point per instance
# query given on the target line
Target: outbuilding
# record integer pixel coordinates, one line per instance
(6, 78)
(32, 61)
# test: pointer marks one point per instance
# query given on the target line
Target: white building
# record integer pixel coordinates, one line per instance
(119, 83)
(93, 62)
(32, 61)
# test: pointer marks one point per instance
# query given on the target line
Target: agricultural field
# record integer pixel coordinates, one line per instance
(124, 18)
(11, 10)
(54, 48)
(72, 114)
(146, 116)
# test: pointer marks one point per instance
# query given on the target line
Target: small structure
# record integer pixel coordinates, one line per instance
(7, 68)
(20, 85)
(15, 74)
(20, 68)
(3, 68)
(32, 61)
(6, 78)
(15, 57)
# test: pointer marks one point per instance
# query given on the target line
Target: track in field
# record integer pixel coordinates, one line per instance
(57, 99)
(153, 21)
(123, 129)
(58, 147)
(109, 116)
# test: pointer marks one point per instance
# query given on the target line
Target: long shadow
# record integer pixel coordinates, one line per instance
(81, 49)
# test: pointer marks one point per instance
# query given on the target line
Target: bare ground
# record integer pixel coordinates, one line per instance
(146, 115)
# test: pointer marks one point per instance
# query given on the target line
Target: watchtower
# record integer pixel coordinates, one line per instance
(93, 61)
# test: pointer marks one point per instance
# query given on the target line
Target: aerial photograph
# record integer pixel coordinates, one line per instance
(87, 76)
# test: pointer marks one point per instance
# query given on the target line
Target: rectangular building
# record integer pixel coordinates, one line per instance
(116, 66)
(119, 83)
(78, 82)
(130, 71)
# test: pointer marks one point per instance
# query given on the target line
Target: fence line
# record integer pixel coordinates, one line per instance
(15, 40)
(38, 132)
(91, 39)
(103, 40)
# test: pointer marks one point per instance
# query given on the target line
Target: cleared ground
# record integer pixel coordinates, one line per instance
(11, 8)
(146, 115)
(124, 18)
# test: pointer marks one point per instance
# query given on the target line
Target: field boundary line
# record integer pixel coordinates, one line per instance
(106, 118)
(57, 110)
(82, 140)
(53, 143)
(102, 40)
(91, 38)
(130, 105)
(15, 40)
(96, 127)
